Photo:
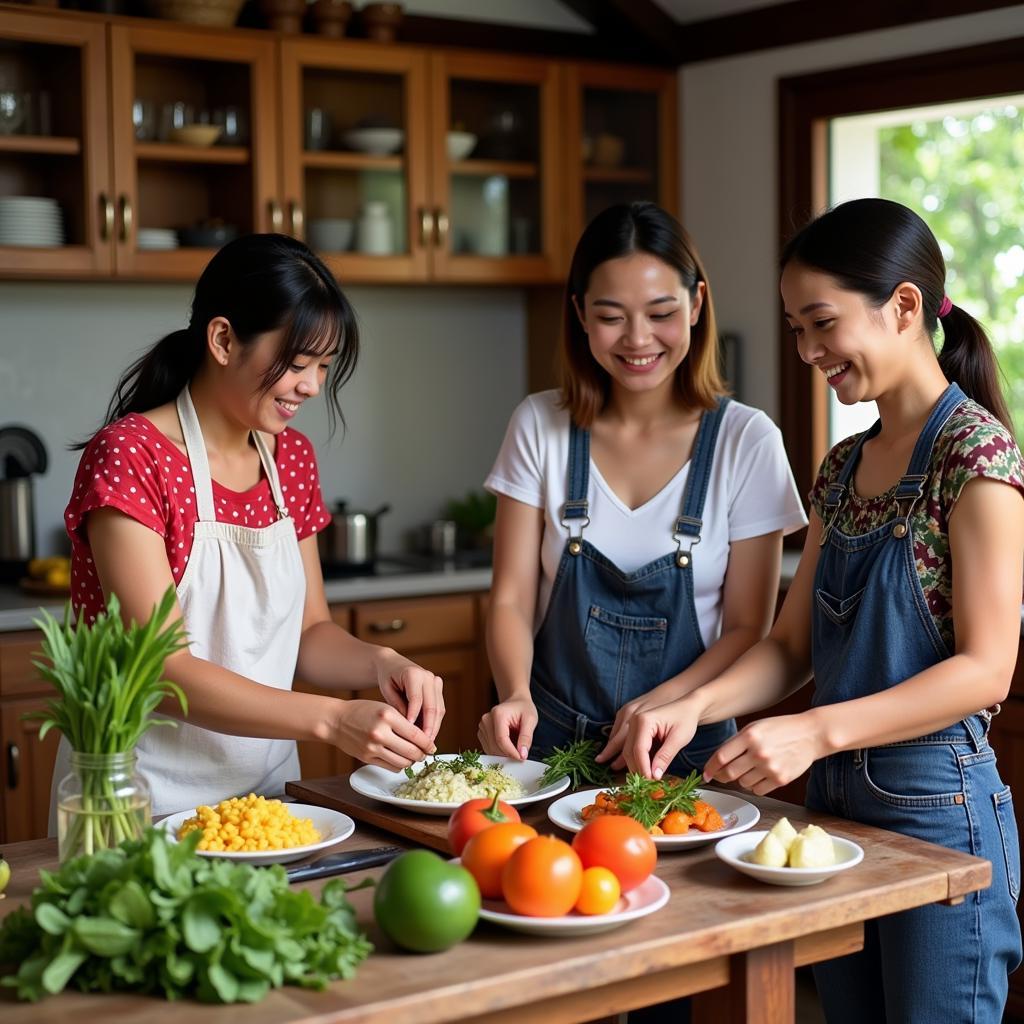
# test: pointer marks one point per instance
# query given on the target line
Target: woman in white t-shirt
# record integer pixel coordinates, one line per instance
(603, 605)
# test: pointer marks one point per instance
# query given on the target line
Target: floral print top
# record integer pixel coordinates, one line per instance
(973, 443)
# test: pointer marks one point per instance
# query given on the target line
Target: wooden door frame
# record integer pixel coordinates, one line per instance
(806, 103)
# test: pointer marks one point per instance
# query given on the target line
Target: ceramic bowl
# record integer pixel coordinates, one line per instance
(208, 237)
(460, 144)
(736, 851)
(378, 141)
(196, 134)
(331, 234)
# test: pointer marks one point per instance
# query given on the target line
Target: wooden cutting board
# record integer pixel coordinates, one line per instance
(426, 829)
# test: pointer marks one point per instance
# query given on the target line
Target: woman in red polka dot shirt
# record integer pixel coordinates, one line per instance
(198, 481)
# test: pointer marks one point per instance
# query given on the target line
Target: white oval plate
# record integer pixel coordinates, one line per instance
(333, 827)
(380, 783)
(646, 898)
(736, 850)
(738, 815)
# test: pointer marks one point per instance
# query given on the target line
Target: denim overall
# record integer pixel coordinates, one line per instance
(871, 629)
(610, 636)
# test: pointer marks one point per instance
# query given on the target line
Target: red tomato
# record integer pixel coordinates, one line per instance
(619, 843)
(487, 852)
(542, 878)
(474, 816)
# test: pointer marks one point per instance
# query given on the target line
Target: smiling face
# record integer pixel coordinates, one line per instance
(860, 349)
(637, 316)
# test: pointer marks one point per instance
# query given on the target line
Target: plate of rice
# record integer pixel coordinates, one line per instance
(444, 782)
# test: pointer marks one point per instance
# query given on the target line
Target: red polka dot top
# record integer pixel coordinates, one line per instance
(131, 466)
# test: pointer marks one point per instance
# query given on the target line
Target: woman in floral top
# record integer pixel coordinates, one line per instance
(904, 609)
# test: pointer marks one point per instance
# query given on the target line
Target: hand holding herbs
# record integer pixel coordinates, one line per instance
(577, 761)
(150, 916)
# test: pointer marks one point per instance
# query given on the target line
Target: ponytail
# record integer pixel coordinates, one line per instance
(967, 358)
(871, 246)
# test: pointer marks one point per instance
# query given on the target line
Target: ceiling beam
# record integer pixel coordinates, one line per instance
(641, 25)
(805, 21)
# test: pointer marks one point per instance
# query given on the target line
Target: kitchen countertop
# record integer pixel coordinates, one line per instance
(718, 924)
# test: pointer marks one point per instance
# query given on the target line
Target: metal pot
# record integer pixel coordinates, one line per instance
(350, 538)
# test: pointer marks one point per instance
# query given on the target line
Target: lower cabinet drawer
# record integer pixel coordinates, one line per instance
(412, 624)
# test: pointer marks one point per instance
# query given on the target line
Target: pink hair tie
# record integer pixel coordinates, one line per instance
(945, 306)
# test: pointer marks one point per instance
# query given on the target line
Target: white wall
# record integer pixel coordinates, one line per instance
(440, 372)
(729, 165)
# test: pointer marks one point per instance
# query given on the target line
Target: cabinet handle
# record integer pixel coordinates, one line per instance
(106, 217)
(440, 226)
(127, 217)
(298, 219)
(426, 226)
(276, 215)
(394, 626)
(13, 765)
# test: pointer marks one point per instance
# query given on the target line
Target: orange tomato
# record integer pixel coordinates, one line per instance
(620, 844)
(599, 893)
(474, 816)
(486, 854)
(542, 878)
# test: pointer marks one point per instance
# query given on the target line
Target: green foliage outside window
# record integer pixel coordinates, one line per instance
(963, 176)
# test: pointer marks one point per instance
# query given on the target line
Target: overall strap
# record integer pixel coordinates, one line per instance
(575, 512)
(910, 489)
(835, 496)
(688, 525)
(273, 479)
(195, 448)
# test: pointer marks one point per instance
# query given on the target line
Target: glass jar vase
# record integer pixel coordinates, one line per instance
(101, 802)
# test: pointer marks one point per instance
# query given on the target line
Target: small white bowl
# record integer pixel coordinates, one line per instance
(736, 851)
(331, 234)
(378, 141)
(460, 144)
(196, 134)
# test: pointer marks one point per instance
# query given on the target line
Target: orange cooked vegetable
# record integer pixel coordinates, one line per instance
(676, 823)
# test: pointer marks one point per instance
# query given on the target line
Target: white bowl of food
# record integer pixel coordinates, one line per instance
(739, 851)
(376, 141)
(460, 144)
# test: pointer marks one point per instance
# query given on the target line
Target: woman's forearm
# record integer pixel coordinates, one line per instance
(510, 650)
(333, 659)
(712, 663)
(224, 701)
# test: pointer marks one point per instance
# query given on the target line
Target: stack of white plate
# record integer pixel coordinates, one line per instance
(30, 220)
(158, 238)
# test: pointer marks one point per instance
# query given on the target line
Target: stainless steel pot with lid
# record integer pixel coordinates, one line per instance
(350, 538)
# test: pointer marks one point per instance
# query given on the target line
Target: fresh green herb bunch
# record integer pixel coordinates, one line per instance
(467, 762)
(108, 676)
(649, 800)
(577, 761)
(150, 916)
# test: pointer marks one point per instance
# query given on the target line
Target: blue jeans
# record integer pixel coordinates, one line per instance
(934, 963)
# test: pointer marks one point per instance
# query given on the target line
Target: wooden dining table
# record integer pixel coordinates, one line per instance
(729, 940)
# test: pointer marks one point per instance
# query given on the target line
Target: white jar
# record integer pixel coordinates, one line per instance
(375, 229)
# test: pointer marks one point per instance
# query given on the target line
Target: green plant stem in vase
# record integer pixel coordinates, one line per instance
(109, 681)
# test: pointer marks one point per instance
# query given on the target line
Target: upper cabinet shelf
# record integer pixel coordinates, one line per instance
(394, 162)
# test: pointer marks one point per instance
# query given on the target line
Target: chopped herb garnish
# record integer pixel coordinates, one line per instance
(577, 761)
(649, 800)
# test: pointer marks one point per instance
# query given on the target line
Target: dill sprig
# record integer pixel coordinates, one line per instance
(468, 761)
(577, 761)
(649, 800)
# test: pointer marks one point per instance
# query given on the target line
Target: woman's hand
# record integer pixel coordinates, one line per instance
(374, 732)
(412, 690)
(620, 727)
(768, 753)
(662, 732)
(507, 729)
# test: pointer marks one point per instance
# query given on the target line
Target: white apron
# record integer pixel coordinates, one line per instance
(242, 596)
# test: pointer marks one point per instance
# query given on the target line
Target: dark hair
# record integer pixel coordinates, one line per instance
(871, 246)
(259, 283)
(618, 231)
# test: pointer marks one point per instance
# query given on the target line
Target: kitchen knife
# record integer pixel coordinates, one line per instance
(338, 863)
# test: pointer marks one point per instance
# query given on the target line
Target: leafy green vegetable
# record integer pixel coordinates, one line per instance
(649, 800)
(150, 916)
(577, 761)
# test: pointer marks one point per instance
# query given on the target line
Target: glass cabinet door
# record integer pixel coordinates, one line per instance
(495, 168)
(621, 141)
(355, 157)
(55, 205)
(195, 151)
